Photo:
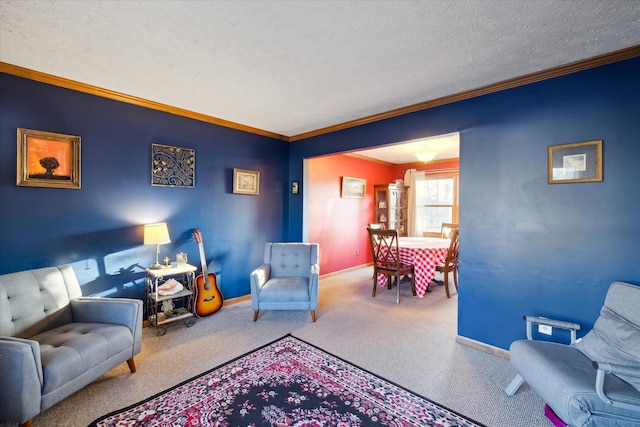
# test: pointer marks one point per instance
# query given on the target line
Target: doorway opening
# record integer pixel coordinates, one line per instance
(339, 224)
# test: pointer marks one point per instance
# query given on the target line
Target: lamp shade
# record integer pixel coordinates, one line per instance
(156, 234)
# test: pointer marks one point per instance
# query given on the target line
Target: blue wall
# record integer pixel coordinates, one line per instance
(527, 247)
(98, 228)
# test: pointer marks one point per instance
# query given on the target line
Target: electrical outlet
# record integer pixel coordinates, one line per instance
(545, 329)
(357, 252)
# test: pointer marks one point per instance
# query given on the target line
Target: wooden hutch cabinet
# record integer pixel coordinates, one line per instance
(391, 207)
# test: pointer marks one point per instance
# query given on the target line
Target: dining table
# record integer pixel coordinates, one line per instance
(424, 253)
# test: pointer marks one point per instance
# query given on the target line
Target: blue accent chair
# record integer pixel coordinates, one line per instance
(287, 279)
(593, 381)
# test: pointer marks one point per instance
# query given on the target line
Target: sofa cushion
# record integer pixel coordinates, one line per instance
(285, 289)
(614, 340)
(73, 349)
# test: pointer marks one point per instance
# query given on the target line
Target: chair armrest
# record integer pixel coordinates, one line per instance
(611, 368)
(260, 276)
(314, 270)
(21, 374)
(257, 279)
(119, 311)
(560, 324)
(314, 279)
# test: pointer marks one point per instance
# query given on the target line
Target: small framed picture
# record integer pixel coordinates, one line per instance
(295, 187)
(246, 182)
(576, 162)
(47, 159)
(353, 188)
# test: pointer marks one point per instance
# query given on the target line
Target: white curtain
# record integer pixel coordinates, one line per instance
(410, 177)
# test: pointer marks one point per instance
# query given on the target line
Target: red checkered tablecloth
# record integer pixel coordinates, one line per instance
(425, 255)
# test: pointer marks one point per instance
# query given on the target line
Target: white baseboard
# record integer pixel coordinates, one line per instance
(357, 267)
(236, 300)
(496, 351)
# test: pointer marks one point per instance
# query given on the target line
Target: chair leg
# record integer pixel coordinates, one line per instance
(413, 284)
(132, 365)
(375, 282)
(397, 290)
(515, 384)
(255, 315)
(455, 277)
(313, 315)
(446, 282)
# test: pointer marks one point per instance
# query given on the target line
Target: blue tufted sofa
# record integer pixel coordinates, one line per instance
(53, 342)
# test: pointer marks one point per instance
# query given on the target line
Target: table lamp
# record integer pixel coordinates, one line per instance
(156, 234)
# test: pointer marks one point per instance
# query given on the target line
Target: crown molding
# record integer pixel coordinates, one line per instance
(368, 159)
(550, 73)
(597, 61)
(129, 99)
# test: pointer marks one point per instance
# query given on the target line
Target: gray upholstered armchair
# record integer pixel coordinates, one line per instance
(287, 279)
(53, 341)
(594, 381)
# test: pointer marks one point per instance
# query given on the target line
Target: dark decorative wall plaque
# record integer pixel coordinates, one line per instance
(172, 166)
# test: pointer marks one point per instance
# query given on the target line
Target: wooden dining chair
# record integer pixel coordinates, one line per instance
(378, 226)
(450, 263)
(446, 228)
(386, 260)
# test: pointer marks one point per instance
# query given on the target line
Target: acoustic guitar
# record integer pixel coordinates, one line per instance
(208, 298)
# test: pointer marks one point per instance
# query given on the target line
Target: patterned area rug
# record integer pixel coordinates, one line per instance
(286, 383)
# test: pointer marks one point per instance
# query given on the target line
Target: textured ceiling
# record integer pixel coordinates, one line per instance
(291, 67)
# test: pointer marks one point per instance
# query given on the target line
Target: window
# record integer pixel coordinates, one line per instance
(436, 202)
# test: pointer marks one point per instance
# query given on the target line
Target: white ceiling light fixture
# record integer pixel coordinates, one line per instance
(426, 156)
(443, 147)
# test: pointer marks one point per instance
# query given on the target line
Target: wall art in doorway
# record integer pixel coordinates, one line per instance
(353, 188)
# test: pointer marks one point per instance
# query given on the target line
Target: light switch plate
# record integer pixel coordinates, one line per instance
(545, 329)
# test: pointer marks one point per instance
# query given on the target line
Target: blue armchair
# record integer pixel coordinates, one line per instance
(287, 279)
(594, 381)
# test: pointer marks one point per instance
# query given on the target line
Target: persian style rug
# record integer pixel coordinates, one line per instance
(286, 383)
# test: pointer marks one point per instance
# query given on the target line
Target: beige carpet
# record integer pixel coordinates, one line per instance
(412, 344)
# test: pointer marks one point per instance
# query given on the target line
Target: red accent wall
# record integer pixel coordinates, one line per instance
(340, 225)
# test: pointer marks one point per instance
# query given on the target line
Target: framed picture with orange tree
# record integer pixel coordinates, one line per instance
(47, 159)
